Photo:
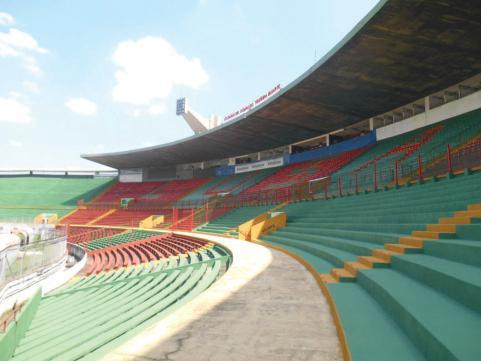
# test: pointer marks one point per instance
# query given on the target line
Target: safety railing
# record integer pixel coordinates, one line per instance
(41, 251)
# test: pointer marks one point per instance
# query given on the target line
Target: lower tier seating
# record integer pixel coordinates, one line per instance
(126, 218)
(141, 251)
(115, 240)
(83, 216)
(404, 290)
(87, 319)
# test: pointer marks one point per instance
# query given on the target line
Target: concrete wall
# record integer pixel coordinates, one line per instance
(443, 112)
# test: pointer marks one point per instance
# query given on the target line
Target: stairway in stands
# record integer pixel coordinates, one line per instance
(424, 304)
(229, 222)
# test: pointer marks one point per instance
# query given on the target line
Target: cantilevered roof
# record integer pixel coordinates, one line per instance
(400, 52)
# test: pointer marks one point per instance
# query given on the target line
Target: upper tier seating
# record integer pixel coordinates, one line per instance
(430, 143)
(236, 183)
(427, 304)
(304, 171)
(89, 318)
(147, 193)
(27, 196)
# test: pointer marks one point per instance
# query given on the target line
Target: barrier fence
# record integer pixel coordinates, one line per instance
(388, 171)
(19, 260)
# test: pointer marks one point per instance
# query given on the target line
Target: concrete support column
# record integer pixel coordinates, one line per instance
(371, 124)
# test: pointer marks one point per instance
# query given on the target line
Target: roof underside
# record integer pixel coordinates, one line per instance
(401, 51)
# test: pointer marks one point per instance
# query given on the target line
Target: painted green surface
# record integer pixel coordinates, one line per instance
(117, 239)
(426, 305)
(17, 329)
(25, 197)
(233, 219)
(87, 319)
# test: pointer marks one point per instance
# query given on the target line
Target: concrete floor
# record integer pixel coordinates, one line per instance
(267, 306)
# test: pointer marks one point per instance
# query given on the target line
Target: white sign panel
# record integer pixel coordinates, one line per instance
(271, 163)
(130, 175)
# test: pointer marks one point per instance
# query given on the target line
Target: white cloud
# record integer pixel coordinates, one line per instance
(6, 19)
(81, 106)
(13, 111)
(16, 43)
(157, 109)
(147, 144)
(31, 86)
(15, 143)
(149, 68)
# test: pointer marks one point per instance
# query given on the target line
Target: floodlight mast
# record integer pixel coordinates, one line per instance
(197, 123)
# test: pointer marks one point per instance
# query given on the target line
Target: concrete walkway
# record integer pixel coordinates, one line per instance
(267, 306)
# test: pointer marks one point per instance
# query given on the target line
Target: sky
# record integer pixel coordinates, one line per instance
(90, 76)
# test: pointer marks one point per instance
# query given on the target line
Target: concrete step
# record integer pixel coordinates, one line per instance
(342, 275)
(385, 254)
(402, 248)
(445, 228)
(474, 207)
(327, 278)
(413, 241)
(426, 234)
(455, 220)
(353, 267)
(373, 262)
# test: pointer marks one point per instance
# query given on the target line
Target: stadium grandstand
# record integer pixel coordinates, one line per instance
(338, 219)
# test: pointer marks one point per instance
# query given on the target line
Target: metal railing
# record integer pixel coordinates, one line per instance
(48, 246)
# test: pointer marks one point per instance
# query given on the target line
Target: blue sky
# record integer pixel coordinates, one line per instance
(96, 76)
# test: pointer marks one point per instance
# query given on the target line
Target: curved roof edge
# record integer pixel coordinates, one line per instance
(341, 88)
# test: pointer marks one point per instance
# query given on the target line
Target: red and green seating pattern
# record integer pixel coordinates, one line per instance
(89, 318)
(140, 251)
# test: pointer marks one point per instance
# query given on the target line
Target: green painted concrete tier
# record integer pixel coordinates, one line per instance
(27, 196)
(233, 219)
(426, 305)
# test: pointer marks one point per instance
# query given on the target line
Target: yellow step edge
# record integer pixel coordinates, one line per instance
(443, 228)
(339, 273)
(370, 261)
(353, 267)
(102, 216)
(455, 220)
(426, 234)
(327, 278)
(385, 254)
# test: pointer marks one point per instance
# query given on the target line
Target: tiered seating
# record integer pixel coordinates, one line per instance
(83, 216)
(172, 191)
(128, 190)
(141, 251)
(125, 218)
(86, 234)
(230, 221)
(199, 193)
(90, 317)
(26, 197)
(304, 171)
(427, 304)
(235, 183)
(124, 237)
(147, 193)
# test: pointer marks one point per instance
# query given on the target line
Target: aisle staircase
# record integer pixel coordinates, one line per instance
(403, 267)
